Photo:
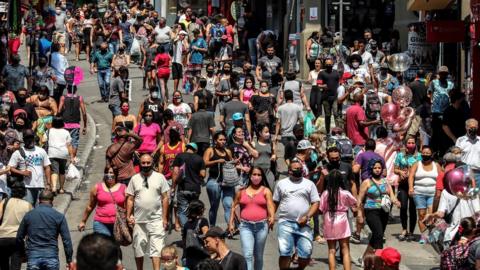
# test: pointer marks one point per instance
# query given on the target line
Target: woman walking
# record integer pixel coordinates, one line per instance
(312, 49)
(373, 190)
(106, 196)
(266, 154)
(162, 61)
(257, 215)
(334, 204)
(422, 180)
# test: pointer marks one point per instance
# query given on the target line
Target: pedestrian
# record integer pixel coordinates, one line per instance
(169, 259)
(154, 103)
(388, 259)
(162, 63)
(453, 120)
(59, 64)
(39, 232)
(296, 199)
(214, 241)
(14, 208)
(267, 157)
(150, 133)
(328, 80)
(117, 91)
(372, 191)
(45, 107)
(97, 252)
(198, 47)
(180, 50)
(316, 92)
(361, 162)
(257, 215)
(43, 75)
(120, 154)
(334, 204)
(170, 124)
(297, 89)
(182, 112)
(214, 159)
(357, 123)
(101, 63)
(23, 109)
(147, 212)
(73, 110)
(106, 196)
(201, 127)
(313, 50)
(469, 144)
(125, 119)
(268, 65)
(15, 74)
(202, 93)
(192, 255)
(226, 85)
(60, 151)
(121, 58)
(421, 185)
(263, 105)
(33, 163)
(149, 50)
(232, 107)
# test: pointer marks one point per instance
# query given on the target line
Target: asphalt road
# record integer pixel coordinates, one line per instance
(414, 255)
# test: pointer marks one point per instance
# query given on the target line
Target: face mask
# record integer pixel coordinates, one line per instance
(270, 56)
(472, 132)
(296, 174)
(411, 148)
(256, 180)
(125, 110)
(121, 50)
(226, 71)
(334, 163)
(210, 72)
(328, 67)
(267, 136)
(29, 143)
(355, 65)
(171, 265)
(19, 126)
(3, 124)
(247, 70)
(264, 90)
(177, 99)
(42, 64)
(104, 50)
(58, 11)
(146, 169)
(21, 100)
(108, 177)
(426, 157)
(154, 95)
(148, 119)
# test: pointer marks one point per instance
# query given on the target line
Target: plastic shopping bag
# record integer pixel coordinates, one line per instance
(72, 172)
(308, 126)
(135, 49)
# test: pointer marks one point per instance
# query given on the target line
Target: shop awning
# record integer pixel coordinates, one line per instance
(417, 5)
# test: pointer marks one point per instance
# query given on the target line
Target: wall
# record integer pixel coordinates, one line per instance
(402, 18)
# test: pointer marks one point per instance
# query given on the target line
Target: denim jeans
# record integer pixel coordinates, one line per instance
(292, 237)
(43, 264)
(184, 197)
(102, 228)
(166, 46)
(216, 192)
(113, 46)
(32, 194)
(103, 78)
(115, 109)
(253, 236)
(252, 50)
(127, 41)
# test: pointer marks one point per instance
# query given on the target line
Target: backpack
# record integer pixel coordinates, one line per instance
(192, 237)
(343, 144)
(231, 177)
(373, 105)
(217, 32)
(456, 257)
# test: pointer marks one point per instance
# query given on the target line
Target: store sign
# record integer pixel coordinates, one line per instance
(445, 31)
(423, 54)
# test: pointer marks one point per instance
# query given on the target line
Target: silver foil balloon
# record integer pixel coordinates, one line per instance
(402, 96)
(399, 62)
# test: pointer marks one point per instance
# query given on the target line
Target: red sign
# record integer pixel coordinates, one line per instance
(445, 31)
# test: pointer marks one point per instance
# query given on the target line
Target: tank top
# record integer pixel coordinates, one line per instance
(170, 153)
(106, 211)
(264, 155)
(210, 84)
(314, 50)
(374, 197)
(150, 55)
(253, 208)
(425, 181)
(214, 170)
(71, 109)
(247, 94)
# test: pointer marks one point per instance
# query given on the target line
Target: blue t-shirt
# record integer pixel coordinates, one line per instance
(403, 161)
(197, 56)
(440, 96)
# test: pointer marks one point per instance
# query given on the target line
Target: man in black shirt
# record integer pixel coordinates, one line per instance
(419, 89)
(188, 174)
(200, 127)
(214, 241)
(454, 118)
(203, 94)
(334, 163)
(329, 79)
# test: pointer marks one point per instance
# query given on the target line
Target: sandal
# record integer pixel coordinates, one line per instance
(61, 191)
(319, 239)
(402, 237)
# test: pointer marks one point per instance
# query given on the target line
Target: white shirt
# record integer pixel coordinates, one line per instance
(367, 59)
(35, 160)
(162, 34)
(58, 140)
(59, 63)
(470, 150)
(180, 113)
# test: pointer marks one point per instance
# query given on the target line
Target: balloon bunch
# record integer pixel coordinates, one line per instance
(461, 182)
(398, 115)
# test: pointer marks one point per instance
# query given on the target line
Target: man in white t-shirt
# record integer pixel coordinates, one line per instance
(470, 146)
(180, 48)
(163, 34)
(367, 57)
(33, 164)
(147, 210)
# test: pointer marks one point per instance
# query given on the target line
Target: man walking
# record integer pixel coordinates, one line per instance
(40, 229)
(147, 211)
(201, 126)
(101, 63)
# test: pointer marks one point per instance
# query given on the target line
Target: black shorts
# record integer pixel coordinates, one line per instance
(177, 71)
(58, 165)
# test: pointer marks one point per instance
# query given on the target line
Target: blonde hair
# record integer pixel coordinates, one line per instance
(317, 138)
(171, 250)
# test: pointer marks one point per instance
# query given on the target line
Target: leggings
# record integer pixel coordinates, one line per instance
(408, 212)
(377, 222)
(316, 101)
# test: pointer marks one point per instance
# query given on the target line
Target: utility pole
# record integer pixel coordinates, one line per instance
(341, 4)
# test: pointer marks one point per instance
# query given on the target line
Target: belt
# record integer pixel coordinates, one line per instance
(253, 222)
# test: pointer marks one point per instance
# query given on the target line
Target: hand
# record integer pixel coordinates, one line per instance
(231, 227)
(72, 160)
(271, 221)
(29, 173)
(92, 71)
(81, 226)
(302, 221)
(84, 131)
(428, 219)
(397, 204)
(404, 174)
(131, 221)
(324, 172)
(309, 109)
(273, 158)
(411, 192)
(165, 224)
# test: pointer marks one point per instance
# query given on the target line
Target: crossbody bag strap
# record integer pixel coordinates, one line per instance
(378, 188)
(113, 198)
(5, 201)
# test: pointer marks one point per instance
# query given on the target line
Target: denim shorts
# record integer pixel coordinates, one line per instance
(292, 237)
(75, 134)
(422, 201)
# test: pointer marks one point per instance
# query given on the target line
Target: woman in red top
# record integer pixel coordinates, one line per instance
(257, 214)
(106, 196)
(162, 60)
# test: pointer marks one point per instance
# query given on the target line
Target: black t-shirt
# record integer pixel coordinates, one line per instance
(419, 92)
(346, 171)
(191, 180)
(157, 107)
(202, 93)
(455, 120)
(191, 224)
(331, 80)
(233, 261)
(252, 28)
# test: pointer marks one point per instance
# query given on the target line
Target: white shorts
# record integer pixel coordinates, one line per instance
(151, 235)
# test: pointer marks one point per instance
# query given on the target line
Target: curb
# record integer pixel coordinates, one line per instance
(62, 201)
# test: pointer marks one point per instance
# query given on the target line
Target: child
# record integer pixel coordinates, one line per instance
(169, 259)
(192, 255)
(334, 203)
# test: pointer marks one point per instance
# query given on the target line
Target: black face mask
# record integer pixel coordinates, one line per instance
(329, 67)
(334, 163)
(42, 64)
(21, 100)
(146, 169)
(472, 132)
(29, 143)
(19, 127)
(426, 157)
(296, 174)
(210, 72)
(3, 124)
(103, 50)
(226, 71)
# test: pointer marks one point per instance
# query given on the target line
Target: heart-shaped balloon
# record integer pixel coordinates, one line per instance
(460, 182)
(388, 113)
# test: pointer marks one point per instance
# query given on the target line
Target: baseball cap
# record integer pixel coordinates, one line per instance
(304, 144)
(182, 33)
(443, 69)
(193, 146)
(389, 255)
(215, 232)
(224, 37)
(237, 116)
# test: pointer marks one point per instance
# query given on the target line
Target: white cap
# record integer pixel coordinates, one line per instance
(183, 33)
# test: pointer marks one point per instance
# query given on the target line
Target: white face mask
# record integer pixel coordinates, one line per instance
(355, 64)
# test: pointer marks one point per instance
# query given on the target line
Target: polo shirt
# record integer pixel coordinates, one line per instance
(470, 151)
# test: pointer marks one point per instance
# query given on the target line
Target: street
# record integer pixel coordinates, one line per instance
(414, 255)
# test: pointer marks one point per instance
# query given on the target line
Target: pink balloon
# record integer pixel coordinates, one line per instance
(402, 96)
(78, 77)
(459, 181)
(389, 113)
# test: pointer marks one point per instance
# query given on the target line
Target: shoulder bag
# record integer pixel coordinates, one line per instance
(386, 202)
(121, 231)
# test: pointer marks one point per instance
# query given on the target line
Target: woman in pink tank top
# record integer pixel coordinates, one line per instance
(257, 215)
(105, 196)
(247, 92)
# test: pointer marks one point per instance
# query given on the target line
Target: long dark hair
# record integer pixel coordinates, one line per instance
(334, 182)
(264, 176)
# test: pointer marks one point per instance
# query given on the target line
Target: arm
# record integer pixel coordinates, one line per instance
(222, 121)
(270, 208)
(258, 73)
(92, 203)
(130, 201)
(449, 132)
(277, 130)
(67, 241)
(411, 177)
(165, 203)
(48, 175)
(361, 194)
(140, 112)
(231, 222)
(207, 156)
(195, 103)
(61, 104)
(248, 123)
(304, 99)
(253, 152)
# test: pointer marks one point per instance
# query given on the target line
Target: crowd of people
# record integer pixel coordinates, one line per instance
(348, 165)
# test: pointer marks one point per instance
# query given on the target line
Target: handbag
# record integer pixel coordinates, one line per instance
(386, 202)
(231, 177)
(121, 231)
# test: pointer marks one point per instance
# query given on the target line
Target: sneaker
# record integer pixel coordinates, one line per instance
(402, 237)
(359, 262)
(355, 238)
(423, 240)
(411, 237)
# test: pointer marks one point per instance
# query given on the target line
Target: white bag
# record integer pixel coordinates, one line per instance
(135, 49)
(72, 172)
